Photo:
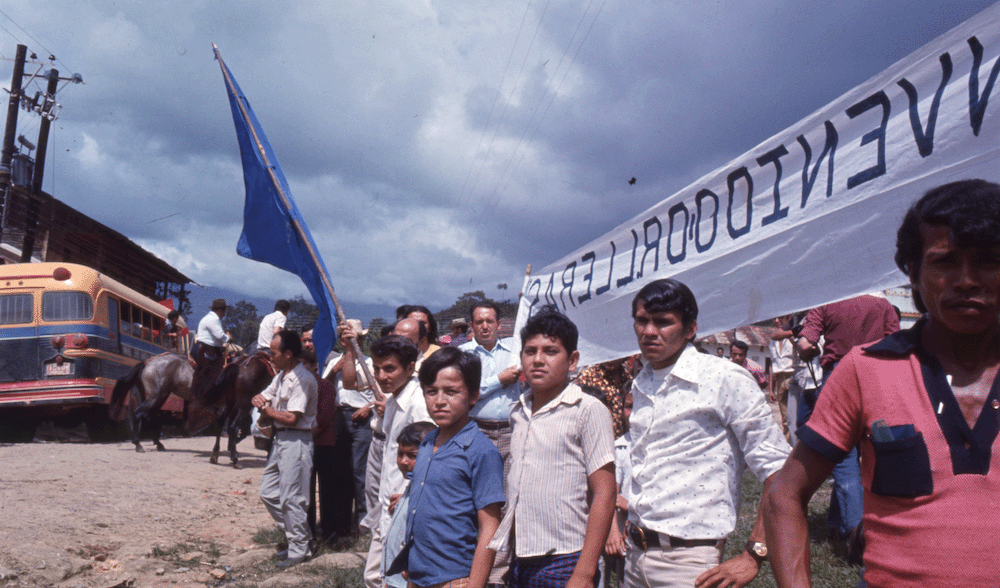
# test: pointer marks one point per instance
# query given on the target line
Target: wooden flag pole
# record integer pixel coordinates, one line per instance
(341, 317)
(527, 274)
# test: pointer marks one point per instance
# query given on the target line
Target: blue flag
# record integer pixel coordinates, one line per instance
(269, 234)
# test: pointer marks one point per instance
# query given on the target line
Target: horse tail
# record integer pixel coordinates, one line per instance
(216, 392)
(123, 386)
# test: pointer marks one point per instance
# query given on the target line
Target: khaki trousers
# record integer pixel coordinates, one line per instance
(668, 567)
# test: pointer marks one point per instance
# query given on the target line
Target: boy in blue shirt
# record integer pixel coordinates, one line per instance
(457, 487)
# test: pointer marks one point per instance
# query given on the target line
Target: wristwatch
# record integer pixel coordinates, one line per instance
(757, 550)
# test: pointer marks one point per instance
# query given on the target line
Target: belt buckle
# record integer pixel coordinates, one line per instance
(642, 536)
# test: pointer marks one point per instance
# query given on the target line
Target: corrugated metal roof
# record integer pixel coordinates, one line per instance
(750, 334)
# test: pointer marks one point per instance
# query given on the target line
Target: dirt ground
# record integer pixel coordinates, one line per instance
(78, 514)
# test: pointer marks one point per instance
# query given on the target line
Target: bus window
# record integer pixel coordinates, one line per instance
(159, 337)
(146, 328)
(15, 309)
(67, 306)
(125, 326)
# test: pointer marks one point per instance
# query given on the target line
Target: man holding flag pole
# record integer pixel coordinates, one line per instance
(274, 231)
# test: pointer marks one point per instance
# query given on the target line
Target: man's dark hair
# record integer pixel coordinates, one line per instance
(484, 304)
(413, 433)
(665, 295)
(550, 322)
(173, 315)
(467, 364)
(402, 311)
(401, 347)
(289, 341)
(282, 305)
(421, 329)
(432, 324)
(387, 330)
(739, 345)
(970, 208)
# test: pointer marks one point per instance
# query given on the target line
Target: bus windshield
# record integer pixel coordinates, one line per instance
(67, 306)
(15, 309)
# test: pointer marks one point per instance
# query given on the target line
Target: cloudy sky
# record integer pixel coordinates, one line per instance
(434, 147)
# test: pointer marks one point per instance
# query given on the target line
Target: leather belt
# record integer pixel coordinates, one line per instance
(492, 425)
(646, 538)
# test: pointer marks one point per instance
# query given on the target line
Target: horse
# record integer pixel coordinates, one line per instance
(241, 380)
(155, 379)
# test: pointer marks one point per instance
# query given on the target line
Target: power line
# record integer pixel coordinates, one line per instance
(37, 42)
(556, 92)
(496, 98)
(495, 198)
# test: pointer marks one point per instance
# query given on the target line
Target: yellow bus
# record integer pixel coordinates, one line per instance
(67, 333)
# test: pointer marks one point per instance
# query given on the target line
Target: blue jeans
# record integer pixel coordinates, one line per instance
(846, 501)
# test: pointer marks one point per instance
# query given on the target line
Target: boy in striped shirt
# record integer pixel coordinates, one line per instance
(562, 449)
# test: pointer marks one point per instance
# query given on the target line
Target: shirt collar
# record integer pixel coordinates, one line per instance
(571, 394)
(501, 344)
(899, 343)
(463, 438)
(687, 365)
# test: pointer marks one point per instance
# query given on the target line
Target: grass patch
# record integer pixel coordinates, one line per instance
(208, 551)
(98, 552)
(829, 568)
(269, 536)
(357, 544)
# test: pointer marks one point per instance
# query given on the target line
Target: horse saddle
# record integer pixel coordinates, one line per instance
(265, 357)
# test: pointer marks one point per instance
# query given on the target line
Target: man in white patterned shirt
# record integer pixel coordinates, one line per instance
(697, 421)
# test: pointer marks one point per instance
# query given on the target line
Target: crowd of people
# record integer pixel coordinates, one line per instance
(474, 464)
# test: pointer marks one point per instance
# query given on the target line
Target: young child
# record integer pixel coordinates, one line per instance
(562, 450)
(616, 547)
(457, 488)
(395, 539)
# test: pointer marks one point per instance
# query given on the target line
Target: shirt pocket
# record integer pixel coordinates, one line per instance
(902, 467)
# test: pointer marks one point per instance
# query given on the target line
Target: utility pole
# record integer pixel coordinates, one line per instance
(36, 181)
(11, 129)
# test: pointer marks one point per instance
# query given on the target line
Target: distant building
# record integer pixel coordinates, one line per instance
(902, 298)
(37, 227)
(757, 338)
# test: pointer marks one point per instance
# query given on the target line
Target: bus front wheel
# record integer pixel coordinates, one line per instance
(102, 429)
(17, 430)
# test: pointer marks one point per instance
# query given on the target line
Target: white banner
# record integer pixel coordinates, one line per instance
(807, 217)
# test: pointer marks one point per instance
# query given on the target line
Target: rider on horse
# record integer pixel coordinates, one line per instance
(209, 348)
(270, 325)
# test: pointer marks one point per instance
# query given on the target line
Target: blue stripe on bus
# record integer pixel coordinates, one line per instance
(98, 331)
(85, 328)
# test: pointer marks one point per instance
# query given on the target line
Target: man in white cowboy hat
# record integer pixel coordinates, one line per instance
(459, 332)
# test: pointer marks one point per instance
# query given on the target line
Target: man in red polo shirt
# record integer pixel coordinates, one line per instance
(923, 405)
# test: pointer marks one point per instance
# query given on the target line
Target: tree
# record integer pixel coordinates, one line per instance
(374, 333)
(460, 309)
(302, 314)
(242, 322)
